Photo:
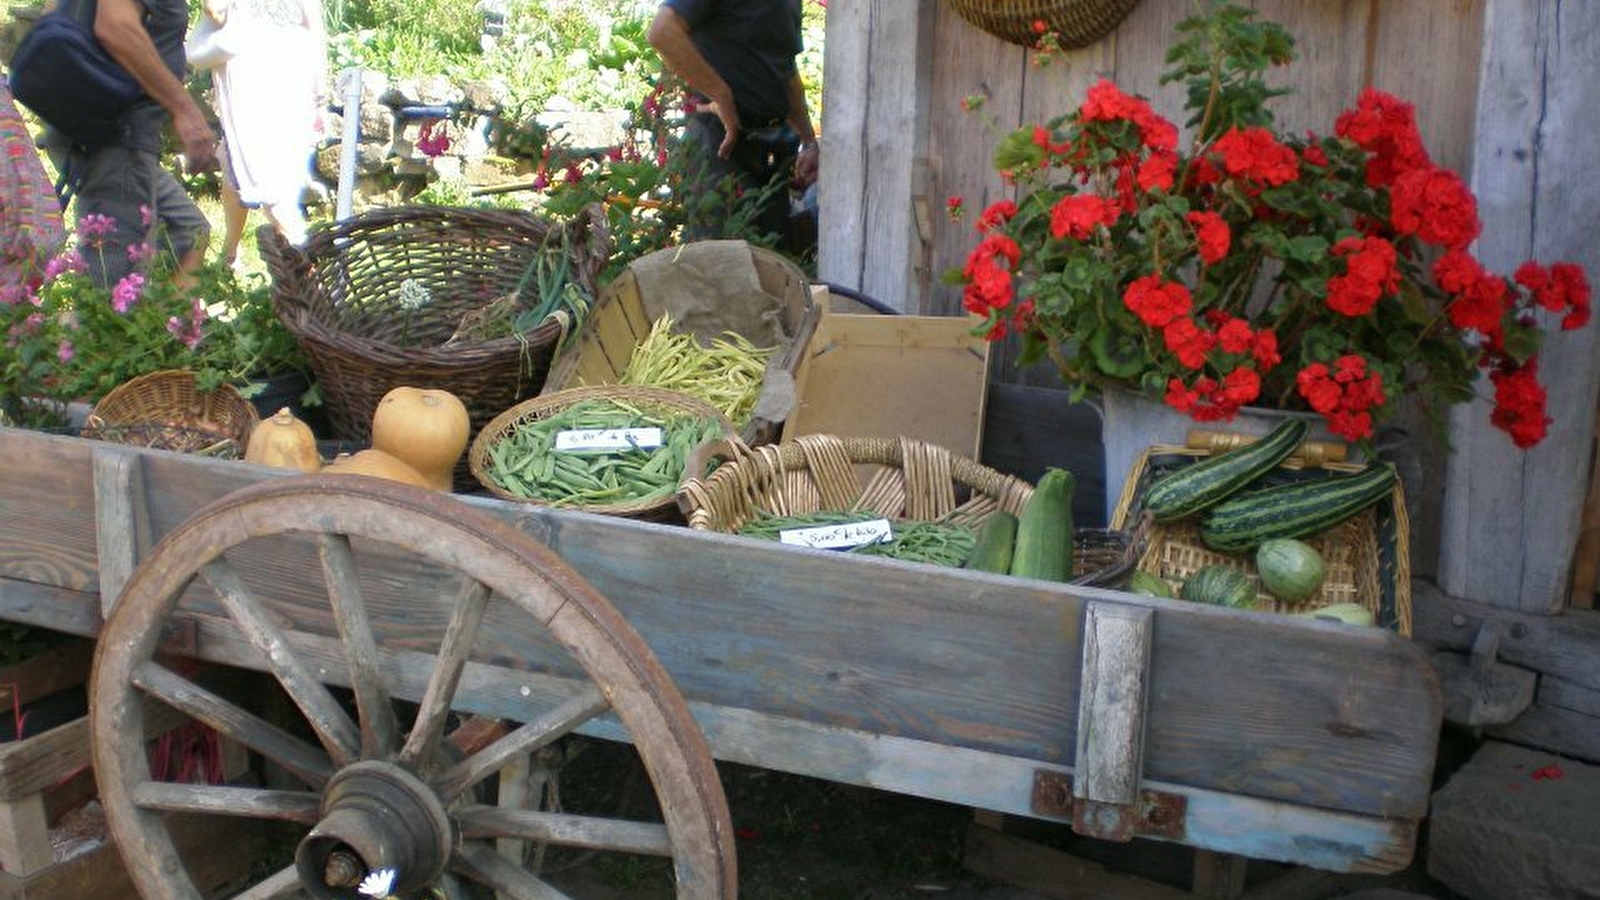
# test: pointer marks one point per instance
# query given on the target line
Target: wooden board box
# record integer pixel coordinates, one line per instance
(921, 377)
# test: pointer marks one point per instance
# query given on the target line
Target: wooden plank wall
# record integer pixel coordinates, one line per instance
(1512, 519)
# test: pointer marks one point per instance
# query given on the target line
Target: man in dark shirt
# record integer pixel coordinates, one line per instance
(750, 119)
(124, 180)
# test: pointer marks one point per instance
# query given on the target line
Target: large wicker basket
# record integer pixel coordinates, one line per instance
(1368, 557)
(341, 296)
(168, 411)
(894, 478)
(600, 351)
(643, 397)
(1076, 23)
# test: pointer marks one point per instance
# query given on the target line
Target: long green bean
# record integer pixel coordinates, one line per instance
(938, 543)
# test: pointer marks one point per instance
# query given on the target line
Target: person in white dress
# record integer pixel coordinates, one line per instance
(268, 96)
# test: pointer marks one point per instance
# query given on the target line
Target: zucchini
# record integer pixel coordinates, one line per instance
(996, 539)
(1294, 510)
(1197, 487)
(1044, 530)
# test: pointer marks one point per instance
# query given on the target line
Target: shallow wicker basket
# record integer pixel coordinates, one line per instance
(341, 298)
(546, 405)
(1368, 557)
(1077, 23)
(167, 410)
(894, 478)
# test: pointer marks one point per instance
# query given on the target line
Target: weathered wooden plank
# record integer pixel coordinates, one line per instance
(48, 535)
(1429, 54)
(24, 835)
(1300, 712)
(1511, 518)
(1332, 56)
(1562, 731)
(1116, 663)
(1559, 645)
(122, 524)
(869, 237)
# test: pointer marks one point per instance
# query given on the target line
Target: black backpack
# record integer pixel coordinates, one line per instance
(63, 74)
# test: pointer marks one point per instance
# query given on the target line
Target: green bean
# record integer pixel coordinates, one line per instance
(938, 543)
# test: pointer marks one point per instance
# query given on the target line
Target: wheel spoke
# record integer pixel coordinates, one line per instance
(380, 730)
(306, 762)
(280, 885)
(482, 822)
(217, 799)
(545, 729)
(333, 726)
(453, 653)
(489, 868)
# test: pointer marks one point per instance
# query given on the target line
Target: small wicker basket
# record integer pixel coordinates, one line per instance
(166, 410)
(1368, 557)
(894, 478)
(344, 297)
(1076, 23)
(643, 397)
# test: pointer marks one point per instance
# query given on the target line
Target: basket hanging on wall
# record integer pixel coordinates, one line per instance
(1077, 23)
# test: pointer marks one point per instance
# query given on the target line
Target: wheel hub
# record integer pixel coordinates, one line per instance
(375, 815)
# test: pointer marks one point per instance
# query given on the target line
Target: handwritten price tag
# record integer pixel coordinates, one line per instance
(576, 440)
(839, 537)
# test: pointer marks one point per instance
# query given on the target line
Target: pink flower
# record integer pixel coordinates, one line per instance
(127, 292)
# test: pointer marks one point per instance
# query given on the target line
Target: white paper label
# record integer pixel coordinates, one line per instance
(839, 537)
(577, 439)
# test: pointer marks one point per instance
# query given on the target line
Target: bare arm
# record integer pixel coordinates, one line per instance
(669, 34)
(119, 27)
(805, 165)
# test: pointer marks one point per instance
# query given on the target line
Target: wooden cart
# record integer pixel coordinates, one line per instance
(426, 641)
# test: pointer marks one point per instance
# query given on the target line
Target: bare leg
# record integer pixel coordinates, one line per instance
(234, 215)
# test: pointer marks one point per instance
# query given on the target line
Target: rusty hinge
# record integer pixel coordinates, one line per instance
(1154, 814)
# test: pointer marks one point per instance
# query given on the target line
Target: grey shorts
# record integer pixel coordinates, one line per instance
(144, 200)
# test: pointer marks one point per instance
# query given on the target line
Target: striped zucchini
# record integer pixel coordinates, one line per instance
(1195, 488)
(1295, 510)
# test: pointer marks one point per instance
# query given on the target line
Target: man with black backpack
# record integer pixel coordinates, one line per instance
(121, 178)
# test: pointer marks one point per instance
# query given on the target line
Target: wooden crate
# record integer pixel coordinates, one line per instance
(622, 316)
(920, 377)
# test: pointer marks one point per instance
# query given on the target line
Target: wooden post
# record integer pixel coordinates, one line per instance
(1511, 517)
(1116, 671)
(122, 522)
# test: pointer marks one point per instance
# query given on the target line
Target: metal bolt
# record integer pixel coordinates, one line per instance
(1458, 620)
(1519, 630)
(342, 869)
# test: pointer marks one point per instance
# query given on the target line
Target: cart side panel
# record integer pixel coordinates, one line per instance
(1311, 714)
(46, 511)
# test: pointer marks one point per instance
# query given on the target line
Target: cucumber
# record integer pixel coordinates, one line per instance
(1219, 585)
(1294, 510)
(1044, 530)
(1348, 613)
(1196, 487)
(996, 539)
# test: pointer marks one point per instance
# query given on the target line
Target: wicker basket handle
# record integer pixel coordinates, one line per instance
(1310, 454)
(694, 469)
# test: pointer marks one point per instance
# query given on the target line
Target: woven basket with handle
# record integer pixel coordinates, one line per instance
(168, 411)
(642, 397)
(896, 478)
(1077, 23)
(350, 298)
(1368, 557)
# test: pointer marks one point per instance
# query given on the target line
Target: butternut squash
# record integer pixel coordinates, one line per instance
(282, 440)
(376, 463)
(426, 428)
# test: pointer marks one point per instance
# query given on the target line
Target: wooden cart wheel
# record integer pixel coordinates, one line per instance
(374, 787)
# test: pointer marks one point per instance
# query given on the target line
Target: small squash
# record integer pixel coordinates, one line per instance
(285, 442)
(376, 463)
(426, 428)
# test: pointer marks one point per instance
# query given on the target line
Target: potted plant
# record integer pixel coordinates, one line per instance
(1325, 273)
(70, 339)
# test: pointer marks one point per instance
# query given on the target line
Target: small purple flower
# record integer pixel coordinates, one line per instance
(64, 352)
(67, 261)
(127, 291)
(144, 214)
(12, 295)
(96, 225)
(141, 253)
